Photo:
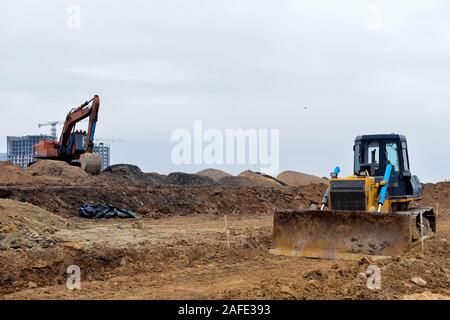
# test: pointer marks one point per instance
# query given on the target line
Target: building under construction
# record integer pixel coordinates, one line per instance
(104, 151)
(20, 150)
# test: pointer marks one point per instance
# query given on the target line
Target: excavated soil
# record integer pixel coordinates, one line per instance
(57, 173)
(129, 175)
(237, 182)
(261, 179)
(297, 179)
(192, 180)
(26, 226)
(437, 196)
(167, 201)
(188, 257)
(214, 174)
(183, 247)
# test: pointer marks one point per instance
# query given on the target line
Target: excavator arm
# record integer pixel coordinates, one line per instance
(93, 123)
(76, 115)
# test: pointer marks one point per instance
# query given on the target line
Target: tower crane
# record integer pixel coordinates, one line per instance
(52, 124)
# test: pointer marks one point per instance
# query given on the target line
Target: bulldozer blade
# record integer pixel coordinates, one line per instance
(91, 163)
(345, 235)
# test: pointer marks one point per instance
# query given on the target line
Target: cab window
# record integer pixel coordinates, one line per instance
(405, 156)
(373, 148)
(357, 157)
(392, 155)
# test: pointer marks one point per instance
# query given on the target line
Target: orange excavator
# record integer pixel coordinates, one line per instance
(75, 147)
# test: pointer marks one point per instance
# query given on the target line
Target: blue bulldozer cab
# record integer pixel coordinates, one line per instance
(373, 154)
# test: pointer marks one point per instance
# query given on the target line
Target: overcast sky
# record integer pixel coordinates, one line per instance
(359, 67)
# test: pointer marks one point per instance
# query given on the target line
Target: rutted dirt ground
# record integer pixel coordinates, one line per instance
(179, 248)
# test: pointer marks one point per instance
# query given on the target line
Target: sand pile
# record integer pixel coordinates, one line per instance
(11, 174)
(261, 179)
(43, 172)
(238, 182)
(297, 179)
(59, 169)
(245, 179)
(214, 174)
(23, 225)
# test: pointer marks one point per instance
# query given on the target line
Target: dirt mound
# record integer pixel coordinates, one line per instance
(43, 172)
(261, 179)
(23, 225)
(11, 174)
(435, 195)
(125, 174)
(238, 182)
(185, 179)
(53, 168)
(297, 179)
(171, 200)
(214, 174)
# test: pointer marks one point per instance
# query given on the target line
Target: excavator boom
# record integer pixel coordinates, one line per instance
(75, 116)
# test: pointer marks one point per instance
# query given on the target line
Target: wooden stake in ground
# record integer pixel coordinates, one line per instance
(421, 231)
(227, 232)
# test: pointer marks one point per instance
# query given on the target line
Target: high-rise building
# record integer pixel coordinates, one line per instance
(3, 156)
(105, 152)
(20, 149)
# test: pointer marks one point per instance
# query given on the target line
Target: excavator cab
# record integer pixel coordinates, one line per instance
(77, 143)
(367, 213)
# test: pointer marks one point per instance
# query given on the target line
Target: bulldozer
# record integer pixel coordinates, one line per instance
(75, 146)
(370, 213)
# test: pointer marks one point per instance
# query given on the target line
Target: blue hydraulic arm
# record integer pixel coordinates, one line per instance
(383, 192)
(334, 174)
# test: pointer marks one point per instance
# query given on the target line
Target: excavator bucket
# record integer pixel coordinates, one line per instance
(345, 235)
(91, 163)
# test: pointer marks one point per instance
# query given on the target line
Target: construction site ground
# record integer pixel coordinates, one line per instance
(191, 242)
